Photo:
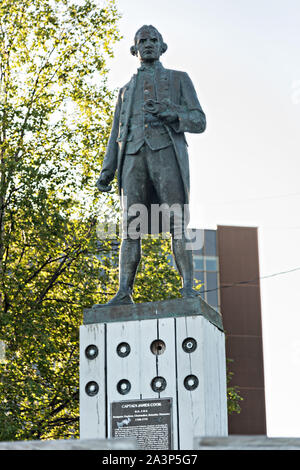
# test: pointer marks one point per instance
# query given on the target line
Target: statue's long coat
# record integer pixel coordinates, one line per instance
(178, 88)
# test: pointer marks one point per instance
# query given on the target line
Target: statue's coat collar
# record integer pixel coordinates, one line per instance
(149, 68)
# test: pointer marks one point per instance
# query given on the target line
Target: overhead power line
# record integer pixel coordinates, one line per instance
(251, 281)
(226, 286)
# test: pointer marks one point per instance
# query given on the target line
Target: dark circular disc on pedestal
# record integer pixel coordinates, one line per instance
(191, 382)
(158, 384)
(189, 345)
(123, 349)
(91, 388)
(158, 347)
(123, 386)
(91, 351)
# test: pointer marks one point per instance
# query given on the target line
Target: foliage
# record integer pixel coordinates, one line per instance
(233, 396)
(55, 117)
(156, 278)
(54, 122)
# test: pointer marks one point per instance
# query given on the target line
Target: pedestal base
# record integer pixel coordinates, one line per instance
(154, 371)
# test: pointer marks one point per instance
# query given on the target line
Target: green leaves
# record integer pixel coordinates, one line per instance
(55, 118)
(233, 396)
(54, 123)
(157, 279)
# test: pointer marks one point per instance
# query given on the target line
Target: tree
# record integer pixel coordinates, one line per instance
(55, 117)
(54, 122)
(233, 393)
(156, 279)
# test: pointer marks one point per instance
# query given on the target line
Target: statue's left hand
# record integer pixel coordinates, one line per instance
(167, 112)
(164, 110)
(168, 116)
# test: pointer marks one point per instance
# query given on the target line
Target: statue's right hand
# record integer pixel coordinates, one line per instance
(103, 184)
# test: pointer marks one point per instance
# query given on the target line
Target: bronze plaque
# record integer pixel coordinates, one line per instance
(148, 421)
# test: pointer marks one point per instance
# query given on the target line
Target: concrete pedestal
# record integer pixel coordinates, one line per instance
(154, 371)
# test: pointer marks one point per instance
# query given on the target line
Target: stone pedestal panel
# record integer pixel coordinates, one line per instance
(169, 362)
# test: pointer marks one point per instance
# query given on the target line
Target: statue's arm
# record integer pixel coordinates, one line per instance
(110, 160)
(191, 117)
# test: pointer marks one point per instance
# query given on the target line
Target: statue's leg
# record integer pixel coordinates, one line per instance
(129, 259)
(134, 187)
(184, 262)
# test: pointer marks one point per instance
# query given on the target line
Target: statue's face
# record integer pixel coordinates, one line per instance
(148, 45)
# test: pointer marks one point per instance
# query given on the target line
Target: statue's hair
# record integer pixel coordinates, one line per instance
(164, 46)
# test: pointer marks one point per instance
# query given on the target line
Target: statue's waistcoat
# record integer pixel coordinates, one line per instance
(144, 126)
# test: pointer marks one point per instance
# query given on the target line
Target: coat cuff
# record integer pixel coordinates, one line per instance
(189, 121)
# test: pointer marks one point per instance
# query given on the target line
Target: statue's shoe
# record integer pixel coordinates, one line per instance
(121, 298)
(188, 292)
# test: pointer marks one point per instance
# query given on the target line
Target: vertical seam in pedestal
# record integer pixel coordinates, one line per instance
(176, 384)
(156, 359)
(105, 381)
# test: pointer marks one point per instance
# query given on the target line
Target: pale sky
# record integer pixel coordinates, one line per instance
(243, 58)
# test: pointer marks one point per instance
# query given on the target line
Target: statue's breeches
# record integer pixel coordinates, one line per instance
(152, 193)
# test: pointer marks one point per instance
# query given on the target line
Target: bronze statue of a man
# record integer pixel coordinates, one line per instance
(148, 149)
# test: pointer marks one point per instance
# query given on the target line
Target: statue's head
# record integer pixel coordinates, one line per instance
(148, 44)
